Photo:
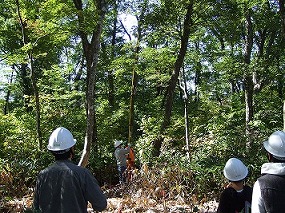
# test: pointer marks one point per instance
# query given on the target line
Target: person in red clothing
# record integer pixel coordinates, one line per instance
(236, 197)
(130, 165)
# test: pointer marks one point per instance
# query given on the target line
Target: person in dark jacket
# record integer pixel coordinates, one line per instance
(269, 190)
(64, 187)
(236, 197)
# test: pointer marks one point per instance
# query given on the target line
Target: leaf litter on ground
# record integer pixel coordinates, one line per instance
(149, 191)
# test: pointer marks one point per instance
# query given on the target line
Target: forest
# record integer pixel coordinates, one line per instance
(189, 84)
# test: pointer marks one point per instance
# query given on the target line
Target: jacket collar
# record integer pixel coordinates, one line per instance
(273, 168)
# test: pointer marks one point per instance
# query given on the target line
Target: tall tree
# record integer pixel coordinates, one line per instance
(183, 87)
(26, 41)
(249, 51)
(91, 48)
(174, 77)
(11, 44)
(248, 83)
(135, 76)
(37, 39)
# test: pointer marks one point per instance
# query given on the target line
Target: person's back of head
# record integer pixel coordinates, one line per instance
(60, 143)
(275, 146)
(62, 155)
(235, 170)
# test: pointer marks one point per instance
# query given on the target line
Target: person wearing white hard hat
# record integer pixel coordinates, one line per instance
(269, 189)
(121, 158)
(63, 186)
(236, 197)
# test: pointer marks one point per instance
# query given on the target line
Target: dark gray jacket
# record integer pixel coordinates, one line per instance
(273, 192)
(269, 190)
(65, 187)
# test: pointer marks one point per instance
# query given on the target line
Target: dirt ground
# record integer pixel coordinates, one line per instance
(125, 203)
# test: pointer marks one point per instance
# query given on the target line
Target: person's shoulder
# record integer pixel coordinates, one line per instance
(79, 171)
(247, 191)
(264, 178)
(228, 191)
(247, 187)
(47, 169)
(74, 166)
(44, 171)
(229, 188)
(81, 168)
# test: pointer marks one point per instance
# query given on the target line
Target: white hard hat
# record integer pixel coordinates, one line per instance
(61, 139)
(276, 144)
(117, 143)
(235, 170)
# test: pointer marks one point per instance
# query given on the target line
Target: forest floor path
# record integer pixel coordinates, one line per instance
(120, 200)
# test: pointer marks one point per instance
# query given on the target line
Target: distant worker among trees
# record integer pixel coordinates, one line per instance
(121, 154)
(63, 186)
(236, 197)
(269, 190)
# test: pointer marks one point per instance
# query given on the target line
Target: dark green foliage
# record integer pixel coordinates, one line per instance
(20, 158)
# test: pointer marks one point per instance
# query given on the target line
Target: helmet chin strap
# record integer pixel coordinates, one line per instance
(279, 158)
(273, 158)
(61, 151)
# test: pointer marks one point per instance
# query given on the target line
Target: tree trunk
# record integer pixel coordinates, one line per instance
(248, 82)
(6, 107)
(26, 85)
(91, 54)
(183, 86)
(135, 75)
(173, 80)
(26, 81)
(132, 105)
(32, 76)
(282, 17)
(37, 97)
(197, 79)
